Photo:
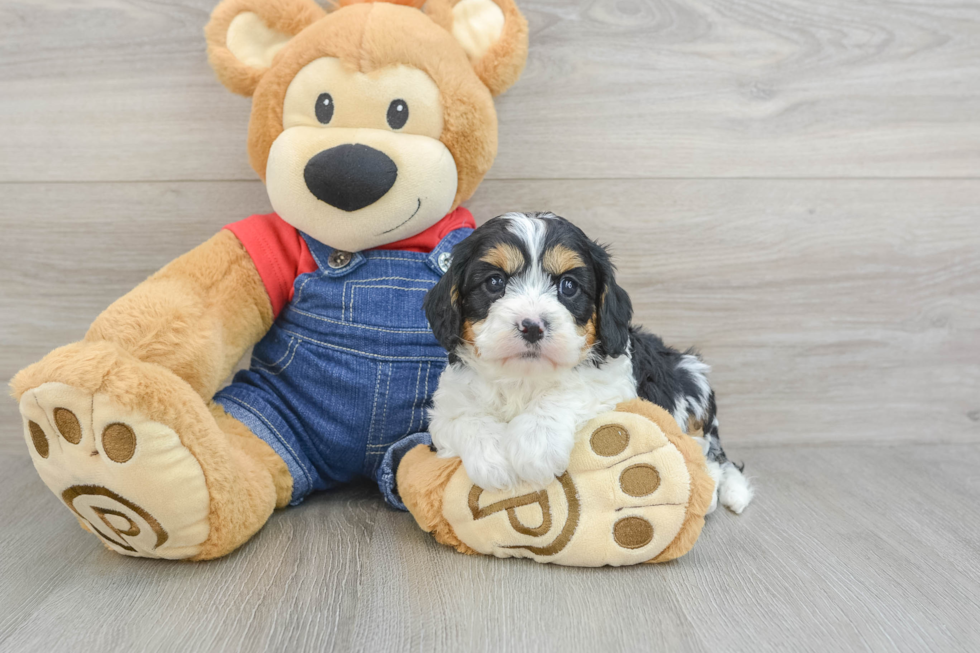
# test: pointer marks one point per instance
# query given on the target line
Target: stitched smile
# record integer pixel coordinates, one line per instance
(406, 221)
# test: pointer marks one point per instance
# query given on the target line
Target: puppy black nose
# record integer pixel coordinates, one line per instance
(350, 176)
(531, 331)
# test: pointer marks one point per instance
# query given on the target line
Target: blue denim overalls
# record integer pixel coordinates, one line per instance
(340, 384)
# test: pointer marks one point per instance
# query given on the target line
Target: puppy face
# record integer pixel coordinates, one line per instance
(529, 293)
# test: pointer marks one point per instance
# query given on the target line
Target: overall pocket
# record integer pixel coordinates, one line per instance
(275, 352)
(387, 302)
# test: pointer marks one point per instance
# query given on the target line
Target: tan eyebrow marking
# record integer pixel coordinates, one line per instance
(559, 260)
(506, 257)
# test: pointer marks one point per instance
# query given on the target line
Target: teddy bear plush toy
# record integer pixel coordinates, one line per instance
(370, 125)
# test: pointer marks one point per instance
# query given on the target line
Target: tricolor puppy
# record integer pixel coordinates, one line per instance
(540, 341)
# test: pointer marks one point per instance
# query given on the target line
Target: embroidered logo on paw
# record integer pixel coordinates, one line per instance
(106, 512)
(541, 500)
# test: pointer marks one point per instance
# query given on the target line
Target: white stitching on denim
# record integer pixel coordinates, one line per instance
(392, 287)
(298, 294)
(384, 421)
(360, 283)
(374, 407)
(255, 411)
(359, 287)
(358, 326)
(428, 368)
(437, 359)
(294, 345)
(289, 346)
(343, 303)
(415, 400)
(384, 445)
(393, 279)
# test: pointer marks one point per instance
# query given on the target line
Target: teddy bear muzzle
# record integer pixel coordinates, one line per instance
(350, 176)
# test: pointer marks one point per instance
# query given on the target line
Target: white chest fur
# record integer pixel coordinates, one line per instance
(509, 429)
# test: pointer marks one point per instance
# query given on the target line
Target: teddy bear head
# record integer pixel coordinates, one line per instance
(373, 121)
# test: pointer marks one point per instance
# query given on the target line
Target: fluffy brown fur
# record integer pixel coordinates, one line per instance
(500, 67)
(503, 63)
(162, 350)
(370, 36)
(422, 480)
(244, 476)
(286, 16)
(196, 317)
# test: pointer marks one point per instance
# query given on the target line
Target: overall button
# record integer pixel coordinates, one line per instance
(339, 259)
(444, 260)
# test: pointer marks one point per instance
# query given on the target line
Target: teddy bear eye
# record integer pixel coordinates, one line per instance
(397, 114)
(324, 108)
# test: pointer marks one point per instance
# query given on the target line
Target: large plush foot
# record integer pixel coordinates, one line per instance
(636, 490)
(138, 456)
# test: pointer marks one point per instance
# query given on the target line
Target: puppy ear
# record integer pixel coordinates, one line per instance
(492, 32)
(244, 36)
(614, 308)
(444, 311)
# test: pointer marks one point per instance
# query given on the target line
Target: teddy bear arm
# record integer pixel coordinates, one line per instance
(196, 317)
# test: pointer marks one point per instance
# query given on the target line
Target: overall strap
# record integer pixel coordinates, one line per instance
(441, 256)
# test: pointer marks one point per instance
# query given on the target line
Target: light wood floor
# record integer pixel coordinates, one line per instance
(791, 186)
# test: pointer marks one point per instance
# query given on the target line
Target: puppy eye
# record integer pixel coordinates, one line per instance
(324, 108)
(397, 114)
(495, 283)
(568, 286)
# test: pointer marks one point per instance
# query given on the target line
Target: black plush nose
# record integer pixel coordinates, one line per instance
(350, 176)
(531, 331)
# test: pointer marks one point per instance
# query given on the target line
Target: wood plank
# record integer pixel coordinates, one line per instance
(831, 311)
(846, 548)
(121, 90)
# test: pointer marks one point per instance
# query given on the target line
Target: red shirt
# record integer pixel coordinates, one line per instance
(280, 254)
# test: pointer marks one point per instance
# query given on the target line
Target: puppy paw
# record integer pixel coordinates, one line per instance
(538, 452)
(488, 468)
(735, 492)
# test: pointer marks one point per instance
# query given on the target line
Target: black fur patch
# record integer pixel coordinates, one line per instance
(662, 380)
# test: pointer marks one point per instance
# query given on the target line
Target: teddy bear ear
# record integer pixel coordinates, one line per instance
(244, 36)
(492, 32)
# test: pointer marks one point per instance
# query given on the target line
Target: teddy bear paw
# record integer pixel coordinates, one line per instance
(624, 499)
(128, 479)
